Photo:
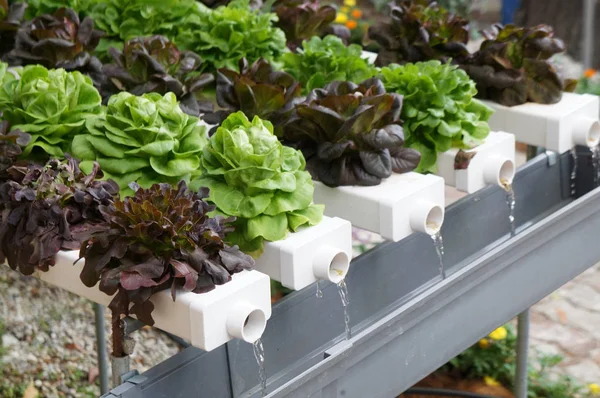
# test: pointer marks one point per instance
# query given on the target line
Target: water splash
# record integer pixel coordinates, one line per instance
(596, 164)
(319, 291)
(259, 355)
(438, 243)
(574, 172)
(343, 291)
(510, 202)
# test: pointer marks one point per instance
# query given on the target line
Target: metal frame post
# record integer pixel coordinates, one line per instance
(589, 14)
(522, 354)
(101, 347)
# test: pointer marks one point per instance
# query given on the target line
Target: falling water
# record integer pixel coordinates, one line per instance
(343, 291)
(319, 291)
(510, 202)
(438, 243)
(259, 354)
(573, 171)
(596, 163)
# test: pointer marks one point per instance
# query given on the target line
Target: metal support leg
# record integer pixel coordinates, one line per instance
(522, 352)
(589, 13)
(101, 348)
(120, 366)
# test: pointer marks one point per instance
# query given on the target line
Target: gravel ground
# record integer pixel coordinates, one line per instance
(49, 341)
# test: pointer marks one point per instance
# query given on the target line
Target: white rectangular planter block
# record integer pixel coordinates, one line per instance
(319, 252)
(369, 56)
(493, 163)
(237, 309)
(401, 205)
(557, 127)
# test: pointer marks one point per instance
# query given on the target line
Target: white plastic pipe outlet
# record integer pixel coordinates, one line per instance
(498, 170)
(246, 322)
(427, 217)
(331, 264)
(586, 132)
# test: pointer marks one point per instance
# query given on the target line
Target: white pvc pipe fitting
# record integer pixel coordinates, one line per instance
(498, 170)
(246, 322)
(331, 263)
(586, 132)
(427, 217)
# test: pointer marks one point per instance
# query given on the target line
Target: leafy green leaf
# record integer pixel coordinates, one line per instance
(149, 134)
(440, 111)
(322, 61)
(253, 177)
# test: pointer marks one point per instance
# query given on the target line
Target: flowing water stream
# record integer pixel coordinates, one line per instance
(343, 291)
(510, 202)
(319, 291)
(438, 243)
(259, 354)
(596, 163)
(574, 172)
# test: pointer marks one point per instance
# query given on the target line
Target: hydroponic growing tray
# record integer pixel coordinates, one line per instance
(406, 321)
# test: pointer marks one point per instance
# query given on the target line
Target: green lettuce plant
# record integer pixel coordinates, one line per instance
(322, 61)
(419, 30)
(223, 36)
(35, 8)
(51, 105)
(146, 139)
(512, 66)
(440, 111)
(351, 134)
(261, 182)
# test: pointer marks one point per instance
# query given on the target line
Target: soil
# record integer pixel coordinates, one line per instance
(439, 380)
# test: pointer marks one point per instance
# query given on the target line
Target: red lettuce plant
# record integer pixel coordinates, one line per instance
(155, 64)
(420, 31)
(10, 147)
(45, 209)
(257, 90)
(351, 134)
(59, 40)
(10, 20)
(512, 66)
(303, 19)
(160, 238)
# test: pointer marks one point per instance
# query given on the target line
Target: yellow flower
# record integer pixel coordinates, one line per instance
(484, 343)
(351, 24)
(341, 18)
(345, 9)
(350, 3)
(594, 388)
(589, 73)
(490, 381)
(499, 334)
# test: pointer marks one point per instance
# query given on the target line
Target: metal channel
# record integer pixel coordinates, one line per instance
(395, 289)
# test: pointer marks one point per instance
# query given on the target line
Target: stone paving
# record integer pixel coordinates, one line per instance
(568, 323)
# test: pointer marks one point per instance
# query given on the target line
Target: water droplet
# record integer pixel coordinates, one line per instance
(259, 355)
(343, 291)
